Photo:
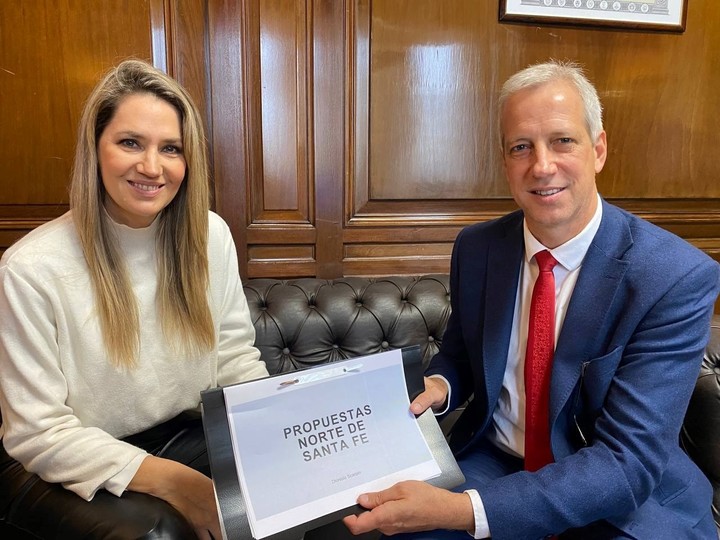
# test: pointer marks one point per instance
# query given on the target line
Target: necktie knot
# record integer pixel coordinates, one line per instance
(545, 261)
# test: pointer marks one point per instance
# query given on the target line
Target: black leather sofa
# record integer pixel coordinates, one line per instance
(700, 436)
(306, 322)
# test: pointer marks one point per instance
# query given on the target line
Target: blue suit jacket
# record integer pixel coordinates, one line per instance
(625, 365)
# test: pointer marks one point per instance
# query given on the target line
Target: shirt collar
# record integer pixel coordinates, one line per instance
(570, 254)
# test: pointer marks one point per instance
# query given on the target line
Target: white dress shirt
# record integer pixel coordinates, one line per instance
(508, 431)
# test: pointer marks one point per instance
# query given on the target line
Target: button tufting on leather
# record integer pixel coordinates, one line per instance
(431, 339)
(336, 346)
(385, 345)
(286, 351)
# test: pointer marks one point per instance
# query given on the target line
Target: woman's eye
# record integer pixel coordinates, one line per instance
(172, 149)
(129, 143)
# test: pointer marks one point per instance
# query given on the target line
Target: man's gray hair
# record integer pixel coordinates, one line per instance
(554, 70)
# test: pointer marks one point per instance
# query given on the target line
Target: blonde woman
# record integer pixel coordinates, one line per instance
(115, 316)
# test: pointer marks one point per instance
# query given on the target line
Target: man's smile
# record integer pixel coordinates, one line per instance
(547, 192)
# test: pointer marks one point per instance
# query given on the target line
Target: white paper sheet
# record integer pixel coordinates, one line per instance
(307, 444)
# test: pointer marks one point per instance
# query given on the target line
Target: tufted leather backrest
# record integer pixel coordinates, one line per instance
(701, 431)
(305, 322)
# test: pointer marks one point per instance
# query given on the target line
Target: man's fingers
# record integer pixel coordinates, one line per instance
(421, 403)
(434, 396)
(356, 525)
(373, 499)
(365, 521)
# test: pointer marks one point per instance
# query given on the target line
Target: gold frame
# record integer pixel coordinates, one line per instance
(650, 15)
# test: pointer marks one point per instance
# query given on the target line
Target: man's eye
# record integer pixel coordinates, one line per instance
(565, 140)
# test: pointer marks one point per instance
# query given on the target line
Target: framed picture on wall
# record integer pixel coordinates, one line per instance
(657, 15)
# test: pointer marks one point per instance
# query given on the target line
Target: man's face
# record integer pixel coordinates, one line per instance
(550, 161)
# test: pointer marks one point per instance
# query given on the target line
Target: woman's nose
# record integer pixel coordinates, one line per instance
(149, 164)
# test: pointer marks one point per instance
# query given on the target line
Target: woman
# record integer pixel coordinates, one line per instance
(115, 316)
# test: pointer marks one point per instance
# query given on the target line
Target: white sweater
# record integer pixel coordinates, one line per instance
(63, 404)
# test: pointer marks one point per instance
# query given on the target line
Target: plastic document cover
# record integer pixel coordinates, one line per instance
(292, 452)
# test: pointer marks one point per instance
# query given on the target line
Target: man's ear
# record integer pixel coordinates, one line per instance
(600, 151)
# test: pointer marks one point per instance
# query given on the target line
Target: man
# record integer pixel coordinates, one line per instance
(631, 319)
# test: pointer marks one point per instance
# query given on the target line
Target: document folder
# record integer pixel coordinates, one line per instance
(231, 503)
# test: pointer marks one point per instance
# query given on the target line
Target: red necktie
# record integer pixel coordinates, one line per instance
(538, 365)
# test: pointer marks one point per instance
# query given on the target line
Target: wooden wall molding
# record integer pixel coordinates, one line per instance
(356, 137)
(341, 210)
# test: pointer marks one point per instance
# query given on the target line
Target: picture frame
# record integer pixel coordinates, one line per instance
(650, 15)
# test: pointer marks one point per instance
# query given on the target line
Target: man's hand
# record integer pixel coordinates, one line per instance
(190, 492)
(410, 507)
(434, 396)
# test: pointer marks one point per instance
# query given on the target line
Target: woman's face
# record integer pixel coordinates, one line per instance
(141, 159)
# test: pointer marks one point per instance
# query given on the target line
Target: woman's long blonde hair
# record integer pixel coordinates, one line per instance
(182, 233)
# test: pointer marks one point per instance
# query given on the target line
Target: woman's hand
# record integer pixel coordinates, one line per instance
(188, 491)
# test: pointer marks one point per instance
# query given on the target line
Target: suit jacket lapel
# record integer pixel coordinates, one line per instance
(503, 269)
(586, 319)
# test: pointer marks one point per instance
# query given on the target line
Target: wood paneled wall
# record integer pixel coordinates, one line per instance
(52, 52)
(369, 137)
(356, 137)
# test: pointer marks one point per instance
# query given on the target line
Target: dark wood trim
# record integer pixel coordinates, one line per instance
(228, 59)
(328, 121)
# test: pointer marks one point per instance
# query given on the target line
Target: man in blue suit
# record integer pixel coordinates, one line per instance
(633, 307)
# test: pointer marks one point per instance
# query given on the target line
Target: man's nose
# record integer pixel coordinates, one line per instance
(544, 162)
